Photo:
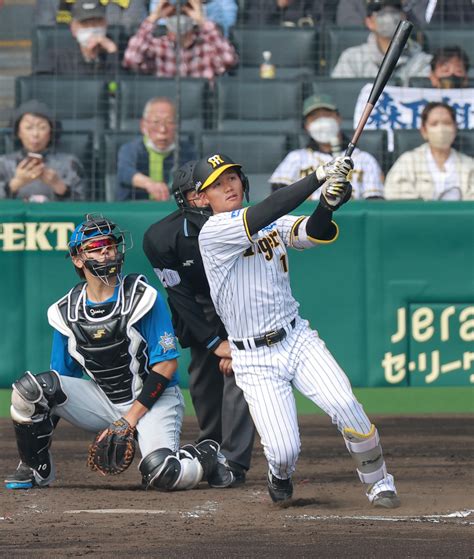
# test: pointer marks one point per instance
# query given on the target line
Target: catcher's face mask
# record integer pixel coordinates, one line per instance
(101, 246)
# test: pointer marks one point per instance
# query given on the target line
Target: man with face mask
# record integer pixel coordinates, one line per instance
(93, 53)
(363, 61)
(145, 164)
(449, 68)
(204, 51)
(322, 122)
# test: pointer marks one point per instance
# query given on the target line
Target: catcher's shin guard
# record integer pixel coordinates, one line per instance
(166, 470)
(33, 442)
(33, 396)
(366, 451)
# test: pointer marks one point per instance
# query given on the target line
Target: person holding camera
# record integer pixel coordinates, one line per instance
(36, 172)
(205, 52)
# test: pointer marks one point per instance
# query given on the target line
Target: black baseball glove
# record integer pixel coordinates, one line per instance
(113, 450)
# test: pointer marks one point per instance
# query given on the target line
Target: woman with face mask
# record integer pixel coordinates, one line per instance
(322, 124)
(434, 170)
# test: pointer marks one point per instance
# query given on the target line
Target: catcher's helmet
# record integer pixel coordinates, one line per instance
(210, 168)
(97, 226)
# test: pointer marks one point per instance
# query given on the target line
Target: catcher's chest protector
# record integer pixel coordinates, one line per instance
(111, 357)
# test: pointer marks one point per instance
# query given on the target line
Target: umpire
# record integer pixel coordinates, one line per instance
(171, 245)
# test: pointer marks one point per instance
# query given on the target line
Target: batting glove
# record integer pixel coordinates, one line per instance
(339, 167)
(335, 192)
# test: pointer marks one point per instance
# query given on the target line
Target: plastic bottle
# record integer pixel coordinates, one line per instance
(267, 69)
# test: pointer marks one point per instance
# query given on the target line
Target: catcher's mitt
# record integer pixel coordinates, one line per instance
(114, 453)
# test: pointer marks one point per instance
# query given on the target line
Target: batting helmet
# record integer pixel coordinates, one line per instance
(210, 168)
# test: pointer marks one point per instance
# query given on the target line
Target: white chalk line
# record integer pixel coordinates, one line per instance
(435, 518)
(207, 508)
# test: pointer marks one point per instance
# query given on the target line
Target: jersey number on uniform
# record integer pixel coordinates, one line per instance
(265, 246)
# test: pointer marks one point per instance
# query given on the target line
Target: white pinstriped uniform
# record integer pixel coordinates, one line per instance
(251, 291)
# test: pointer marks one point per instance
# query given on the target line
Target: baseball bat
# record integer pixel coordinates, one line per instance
(397, 44)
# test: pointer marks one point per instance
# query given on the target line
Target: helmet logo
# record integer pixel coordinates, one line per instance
(215, 161)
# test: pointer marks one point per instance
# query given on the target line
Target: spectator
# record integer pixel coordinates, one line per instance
(363, 61)
(205, 52)
(434, 170)
(322, 123)
(35, 172)
(222, 12)
(145, 164)
(449, 68)
(51, 12)
(354, 12)
(289, 13)
(93, 54)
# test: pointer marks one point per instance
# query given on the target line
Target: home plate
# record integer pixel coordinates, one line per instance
(116, 511)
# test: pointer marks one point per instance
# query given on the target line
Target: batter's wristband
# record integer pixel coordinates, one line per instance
(153, 387)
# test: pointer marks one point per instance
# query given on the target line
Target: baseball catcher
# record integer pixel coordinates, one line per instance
(116, 330)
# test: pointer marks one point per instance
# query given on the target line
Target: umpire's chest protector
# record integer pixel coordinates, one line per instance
(102, 338)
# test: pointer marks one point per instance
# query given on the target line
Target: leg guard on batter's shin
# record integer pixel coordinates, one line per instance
(366, 451)
(166, 470)
(33, 441)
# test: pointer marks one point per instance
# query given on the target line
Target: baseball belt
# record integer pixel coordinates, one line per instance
(268, 339)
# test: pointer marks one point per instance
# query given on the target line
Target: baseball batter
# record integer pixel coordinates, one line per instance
(273, 348)
(116, 330)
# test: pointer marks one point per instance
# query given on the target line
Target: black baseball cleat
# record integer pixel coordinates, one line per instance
(279, 489)
(239, 476)
(221, 477)
(23, 478)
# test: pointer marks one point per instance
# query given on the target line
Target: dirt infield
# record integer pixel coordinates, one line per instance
(83, 514)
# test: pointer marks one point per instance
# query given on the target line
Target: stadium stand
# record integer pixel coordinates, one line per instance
(344, 92)
(79, 103)
(134, 92)
(440, 36)
(46, 39)
(405, 140)
(259, 106)
(259, 154)
(295, 52)
(336, 39)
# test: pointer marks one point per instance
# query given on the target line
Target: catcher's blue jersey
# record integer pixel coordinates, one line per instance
(155, 328)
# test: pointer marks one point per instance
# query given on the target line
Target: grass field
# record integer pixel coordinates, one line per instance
(395, 401)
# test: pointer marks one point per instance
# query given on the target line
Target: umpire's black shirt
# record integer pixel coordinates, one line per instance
(171, 245)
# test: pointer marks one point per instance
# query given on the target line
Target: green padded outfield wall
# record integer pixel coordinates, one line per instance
(393, 297)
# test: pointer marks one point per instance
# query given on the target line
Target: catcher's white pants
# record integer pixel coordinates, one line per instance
(267, 376)
(89, 408)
